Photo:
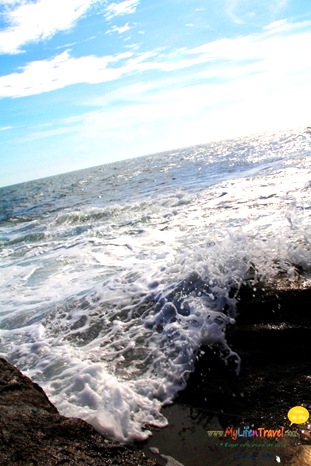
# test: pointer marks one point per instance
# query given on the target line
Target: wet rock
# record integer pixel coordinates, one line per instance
(33, 433)
(272, 336)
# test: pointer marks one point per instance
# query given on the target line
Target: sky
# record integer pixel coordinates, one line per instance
(88, 82)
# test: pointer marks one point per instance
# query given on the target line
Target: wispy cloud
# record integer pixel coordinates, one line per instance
(224, 59)
(279, 25)
(53, 132)
(231, 6)
(63, 70)
(238, 84)
(5, 128)
(29, 21)
(125, 7)
(120, 29)
(243, 11)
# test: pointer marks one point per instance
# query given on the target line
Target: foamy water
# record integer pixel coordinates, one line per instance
(113, 277)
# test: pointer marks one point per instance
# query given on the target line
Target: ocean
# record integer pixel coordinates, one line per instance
(113, 277)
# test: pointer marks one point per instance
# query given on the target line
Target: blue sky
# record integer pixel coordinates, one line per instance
(87, 82)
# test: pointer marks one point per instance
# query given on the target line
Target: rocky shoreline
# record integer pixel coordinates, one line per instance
(33, 433)
(273, 338)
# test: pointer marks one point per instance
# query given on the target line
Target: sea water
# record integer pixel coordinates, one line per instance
(113, 277)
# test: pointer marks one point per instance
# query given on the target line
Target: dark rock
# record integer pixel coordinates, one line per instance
(272, 336)
(33, 433)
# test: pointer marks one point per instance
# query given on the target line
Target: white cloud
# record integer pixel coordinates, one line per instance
(61, 71)
(9, 2)
(125, 7)
(48, 133)
(285, 26)
(267, 61)
(30, 22)
(119, 30)
(272, 91)
(265, 83)
(280, 25)
(188, 116)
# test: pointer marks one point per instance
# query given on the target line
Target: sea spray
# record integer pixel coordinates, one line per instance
(113, 277)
